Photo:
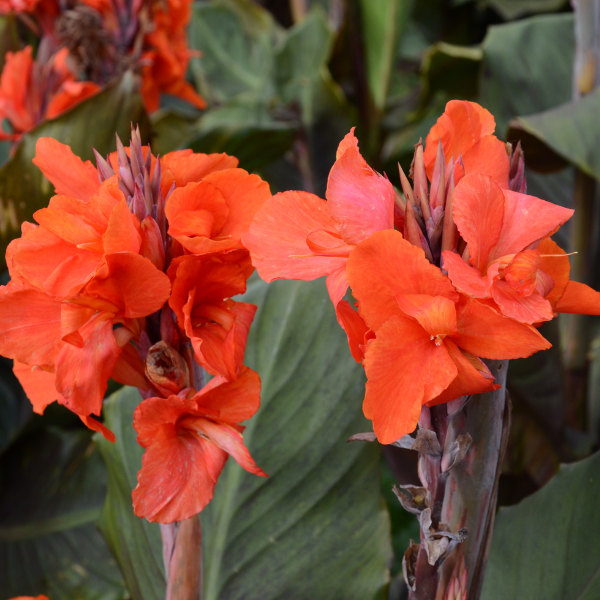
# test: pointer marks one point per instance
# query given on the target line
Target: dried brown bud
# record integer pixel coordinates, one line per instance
(166, 369)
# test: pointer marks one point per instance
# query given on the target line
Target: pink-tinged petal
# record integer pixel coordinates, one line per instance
(228, 439)
(488, 157)
(405, 369)
(96, 425)
(464, 277)
(277, 237)
(355, 327)
(244, 194)
(485, 333)
(579, 298)
(231, 401)
(478, 205)
(38, 385)
(131, 283)
(82, 374)
(386, 265)
(436, 314)
(30, 325)
(473, 376)
(68, 173)
(359, 200)
(527, 219)
(337, 284)
(178, 476)
(349, 141)
(526, 309)
(122, 234)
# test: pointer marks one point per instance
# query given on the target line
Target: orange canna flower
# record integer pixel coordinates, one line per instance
(216, 325)
(465, 132)
(31, 92)
(188, 441)
(297, 235)
(428, 337)
(40, 597)
(507, 264)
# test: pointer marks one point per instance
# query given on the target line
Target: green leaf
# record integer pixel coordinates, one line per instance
(528, 67)
(512, 9)
(135, 542)
(171, 130)
(306, 530)
(94, 122)
(548, 546)
(53, 487)
(379, 24)
(565, 134)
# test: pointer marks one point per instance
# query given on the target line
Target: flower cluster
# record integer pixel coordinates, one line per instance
(467, 275)
(86, 44)
(130, 273)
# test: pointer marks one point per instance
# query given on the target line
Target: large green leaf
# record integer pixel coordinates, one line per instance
(94, 122)
(53, 487)
(317, 526)
(548, 546)
(528, 66)
(319, 518)
(135, 542)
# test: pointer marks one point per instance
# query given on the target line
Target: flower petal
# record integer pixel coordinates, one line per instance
(579, 298)
(436, 314)
(38, 385)
(405, 369)
(349, 141)
(359, 200)
(555, 263)
(386, 265)
(526, 309)
(68, 173)
(464, 277)
(96, 425)
(485, 333)
(488, 156)
(277, 237)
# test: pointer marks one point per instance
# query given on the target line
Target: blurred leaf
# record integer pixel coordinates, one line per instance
(236, 40)
(15, 408)
(9, 36)
(171, 130)
(567, 133)
(318, 519)
(299, 61)
(94, 122)
(53, 487)
(381, 21)
(135, 542)
(452, 69)
(548, 546)
(528, 67)
(511, 9)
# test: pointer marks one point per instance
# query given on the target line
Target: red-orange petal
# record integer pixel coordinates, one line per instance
(526, 309)
(355, 327)
(38, 385)
(96, 425)
(478, 205)
(436, 314)
(349, 141)
(386, 265)
(68, 173)
(557, 267)
(405, 369)
(464, 277)
(277, 237)
(359, 200)
(488, 156)
(579, 298)
(122, 233)
(485, 333)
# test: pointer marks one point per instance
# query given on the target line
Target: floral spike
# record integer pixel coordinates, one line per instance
(105, 171)
(437, 193)
(516, 176)
(406, 187)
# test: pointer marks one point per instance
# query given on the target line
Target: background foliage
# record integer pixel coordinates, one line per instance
(284, 83)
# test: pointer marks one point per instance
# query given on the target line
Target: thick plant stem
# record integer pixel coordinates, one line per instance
(182, 553)
(461, 446)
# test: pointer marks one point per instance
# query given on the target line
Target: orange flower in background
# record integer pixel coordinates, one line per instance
(428, 337)
(18, 6)
(41, 597)
(31, 92)
(188, 441)
(465, 131)
(297, 235)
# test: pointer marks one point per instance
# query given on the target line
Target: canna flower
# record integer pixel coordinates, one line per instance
(297, 235)
(216, 325)
(31, 92)
(465, 132)
(507, 266)
(168, 56)
(188, 441)
(40, 597)
(428, 337)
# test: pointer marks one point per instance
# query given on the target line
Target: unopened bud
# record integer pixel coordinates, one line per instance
(166, 369)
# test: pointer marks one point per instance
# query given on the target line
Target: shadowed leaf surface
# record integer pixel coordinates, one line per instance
(548, 546)
(53, 487)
